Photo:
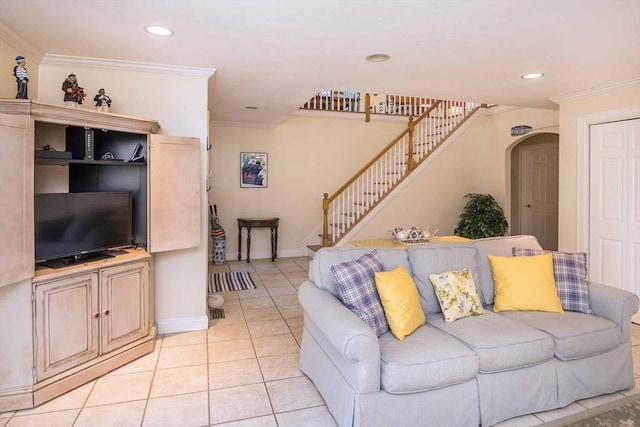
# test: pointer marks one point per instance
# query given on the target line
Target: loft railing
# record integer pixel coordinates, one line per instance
(357, 102)
(345, 208)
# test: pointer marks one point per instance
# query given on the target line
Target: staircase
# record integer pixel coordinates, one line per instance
(349, 205)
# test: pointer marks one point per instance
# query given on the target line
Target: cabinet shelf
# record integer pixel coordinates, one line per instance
(44, 161)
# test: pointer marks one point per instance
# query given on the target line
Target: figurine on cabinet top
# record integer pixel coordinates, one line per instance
(103, 102)
(22, 78)
(73, 93)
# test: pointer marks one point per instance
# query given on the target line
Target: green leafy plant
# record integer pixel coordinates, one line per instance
(482, 217)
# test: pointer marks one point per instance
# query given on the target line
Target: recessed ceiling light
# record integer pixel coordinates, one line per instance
(251, 107)
(157, 30)
(532, 76)
(377, 57)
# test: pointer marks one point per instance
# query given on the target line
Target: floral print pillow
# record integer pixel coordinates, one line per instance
(457, 294)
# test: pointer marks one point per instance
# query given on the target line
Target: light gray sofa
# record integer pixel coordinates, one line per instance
(474, 371)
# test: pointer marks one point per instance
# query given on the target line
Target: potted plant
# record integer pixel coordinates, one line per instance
(482, 217)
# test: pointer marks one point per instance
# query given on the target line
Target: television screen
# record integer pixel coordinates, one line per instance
(77, 224)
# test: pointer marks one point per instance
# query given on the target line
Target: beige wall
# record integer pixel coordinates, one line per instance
(571, 109)
(434, 197)
(310, 156)
(540, 120)
(307, 157)
(477, 161)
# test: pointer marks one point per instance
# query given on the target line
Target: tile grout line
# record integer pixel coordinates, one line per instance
(153, 378)
(84, 403)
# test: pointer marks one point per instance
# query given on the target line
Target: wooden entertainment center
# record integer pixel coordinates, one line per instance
(91, 316)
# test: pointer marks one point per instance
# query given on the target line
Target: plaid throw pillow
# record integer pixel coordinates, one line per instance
(570, 274)
(357, 287)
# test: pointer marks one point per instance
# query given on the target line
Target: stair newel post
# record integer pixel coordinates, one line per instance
(410, 160)
(325, 220)
(367, 107)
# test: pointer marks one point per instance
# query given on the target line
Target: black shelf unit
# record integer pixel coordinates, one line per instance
(44, 161)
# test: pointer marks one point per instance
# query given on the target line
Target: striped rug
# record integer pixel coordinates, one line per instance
(231, 281)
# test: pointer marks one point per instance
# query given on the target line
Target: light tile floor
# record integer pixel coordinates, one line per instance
(241, 372)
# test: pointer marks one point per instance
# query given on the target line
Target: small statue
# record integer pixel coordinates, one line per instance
(73, 93)
(103, 102)
(22, 78)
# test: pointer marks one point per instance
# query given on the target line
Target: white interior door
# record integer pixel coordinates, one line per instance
(614, 206)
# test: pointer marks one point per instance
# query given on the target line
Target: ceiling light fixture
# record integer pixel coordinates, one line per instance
(377, 57)
(157, 30)
(532, 76)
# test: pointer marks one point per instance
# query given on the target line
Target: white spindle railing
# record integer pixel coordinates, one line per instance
(335, 100)
(345, 208)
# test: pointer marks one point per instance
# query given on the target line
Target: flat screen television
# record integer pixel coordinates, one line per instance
(76, 225)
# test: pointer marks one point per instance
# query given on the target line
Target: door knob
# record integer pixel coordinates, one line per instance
(106, 312)
(527, 205)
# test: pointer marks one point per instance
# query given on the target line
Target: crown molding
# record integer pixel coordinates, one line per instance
(593, 91)
(20, 43)
(119, 65)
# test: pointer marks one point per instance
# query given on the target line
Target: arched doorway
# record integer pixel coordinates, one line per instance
(534, 188)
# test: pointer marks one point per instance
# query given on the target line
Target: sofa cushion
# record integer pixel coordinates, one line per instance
(356, 284)
(501, 246)
(570, 273)
(576, 335)
(501, 344)
(524, 283)
(400, 301)
(320, 266)
(457, 294)
(434, 259)
(425, 360)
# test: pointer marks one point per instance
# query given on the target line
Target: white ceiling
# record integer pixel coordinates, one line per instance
(276, 54)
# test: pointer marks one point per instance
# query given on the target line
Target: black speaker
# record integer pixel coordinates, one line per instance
(81, 141)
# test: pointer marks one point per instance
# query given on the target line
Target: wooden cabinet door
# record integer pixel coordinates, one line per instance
(66, 324)
(16, 199)
(124, 305)
(174, 193)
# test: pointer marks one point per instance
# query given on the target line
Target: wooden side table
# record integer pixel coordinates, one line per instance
(250, 223)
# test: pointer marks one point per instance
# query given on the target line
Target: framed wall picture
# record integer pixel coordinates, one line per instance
(253, 170)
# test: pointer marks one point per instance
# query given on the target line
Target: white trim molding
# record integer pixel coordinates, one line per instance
(113, 64)
(182, 324)
(596, 90)
(583, 157)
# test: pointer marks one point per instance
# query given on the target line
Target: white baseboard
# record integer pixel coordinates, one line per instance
(265, 255)
(182, 324)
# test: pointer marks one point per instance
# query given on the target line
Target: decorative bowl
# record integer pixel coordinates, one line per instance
(413, 235)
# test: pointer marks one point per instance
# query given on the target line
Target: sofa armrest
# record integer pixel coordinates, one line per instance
(614, 304)
(353, 346)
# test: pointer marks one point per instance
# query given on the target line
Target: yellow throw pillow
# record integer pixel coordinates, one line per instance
(400, 300)
(525, 283)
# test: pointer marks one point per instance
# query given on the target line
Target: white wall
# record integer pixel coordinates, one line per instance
(177, 98)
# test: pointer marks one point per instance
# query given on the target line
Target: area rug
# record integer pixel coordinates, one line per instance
(230, 281)
(620, 413)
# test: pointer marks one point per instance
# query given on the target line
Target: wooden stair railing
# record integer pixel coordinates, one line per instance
(345, 208)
